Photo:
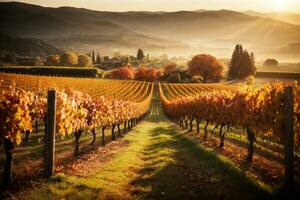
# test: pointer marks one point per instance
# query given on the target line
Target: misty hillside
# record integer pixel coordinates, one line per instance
(162, 32)
(26, 47)
(73, 28)
(293, 18)
(37, 21)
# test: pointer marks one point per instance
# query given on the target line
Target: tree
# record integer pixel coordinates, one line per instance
(125, 60)
(69, 59)
(37, 61)
(234, 65)
(106, 58)
(206, 66)
(140, 55)
(242, 64)
(271, 62)
(147, 74)
(125, 73)
(247, 67)
(84, 60)
(53, 60)
(93, 57)
(169, 69)
(98, 59)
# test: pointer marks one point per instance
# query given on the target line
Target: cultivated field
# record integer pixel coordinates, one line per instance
(139, 140)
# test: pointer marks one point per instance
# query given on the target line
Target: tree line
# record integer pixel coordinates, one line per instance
(69, 59)
(97, 59)
(242, 64)
(206, 68)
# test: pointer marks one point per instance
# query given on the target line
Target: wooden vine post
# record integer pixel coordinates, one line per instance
(125, 124)
(103, 136)
(94, 138)
(113, 136)
(50, 134)
(289, 137)
(8, 168)
(251, 139)
(129, 127)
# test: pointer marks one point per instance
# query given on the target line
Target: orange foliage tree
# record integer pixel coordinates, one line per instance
(169, 68)
(147, 74)
(125, 73)
(206, 66)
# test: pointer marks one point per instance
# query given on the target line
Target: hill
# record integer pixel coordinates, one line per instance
(74, 28)
(169, 32)
(293, 18)
(37, 21)
(26, 47)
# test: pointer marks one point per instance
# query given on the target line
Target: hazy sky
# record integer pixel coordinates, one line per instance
(172, 5)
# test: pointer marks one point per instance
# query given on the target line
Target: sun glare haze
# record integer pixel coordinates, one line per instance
(173, 5)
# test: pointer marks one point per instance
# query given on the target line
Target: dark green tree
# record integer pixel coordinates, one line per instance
(242, 64)
(98, 59)
(93, 57)
(140, 55)
(271, 62)
(234, 64)
(246, 66)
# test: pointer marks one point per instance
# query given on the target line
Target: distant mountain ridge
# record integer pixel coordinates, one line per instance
(182, 31)
(31, 20)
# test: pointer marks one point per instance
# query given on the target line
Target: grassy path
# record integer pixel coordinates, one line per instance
(156, 162)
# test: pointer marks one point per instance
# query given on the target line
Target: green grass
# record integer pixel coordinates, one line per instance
(158, 163)
(269, 146)
(24, 154)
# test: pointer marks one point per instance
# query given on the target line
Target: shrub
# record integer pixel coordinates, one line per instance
(84, 60)
(271, 62)
(147, 74)
(140, 55)
(126, 73)
(207, 67)
(250, 80)
(69, 59)
(53, 60)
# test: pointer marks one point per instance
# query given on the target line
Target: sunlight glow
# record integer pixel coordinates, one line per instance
(175, 5)
(282, 5)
